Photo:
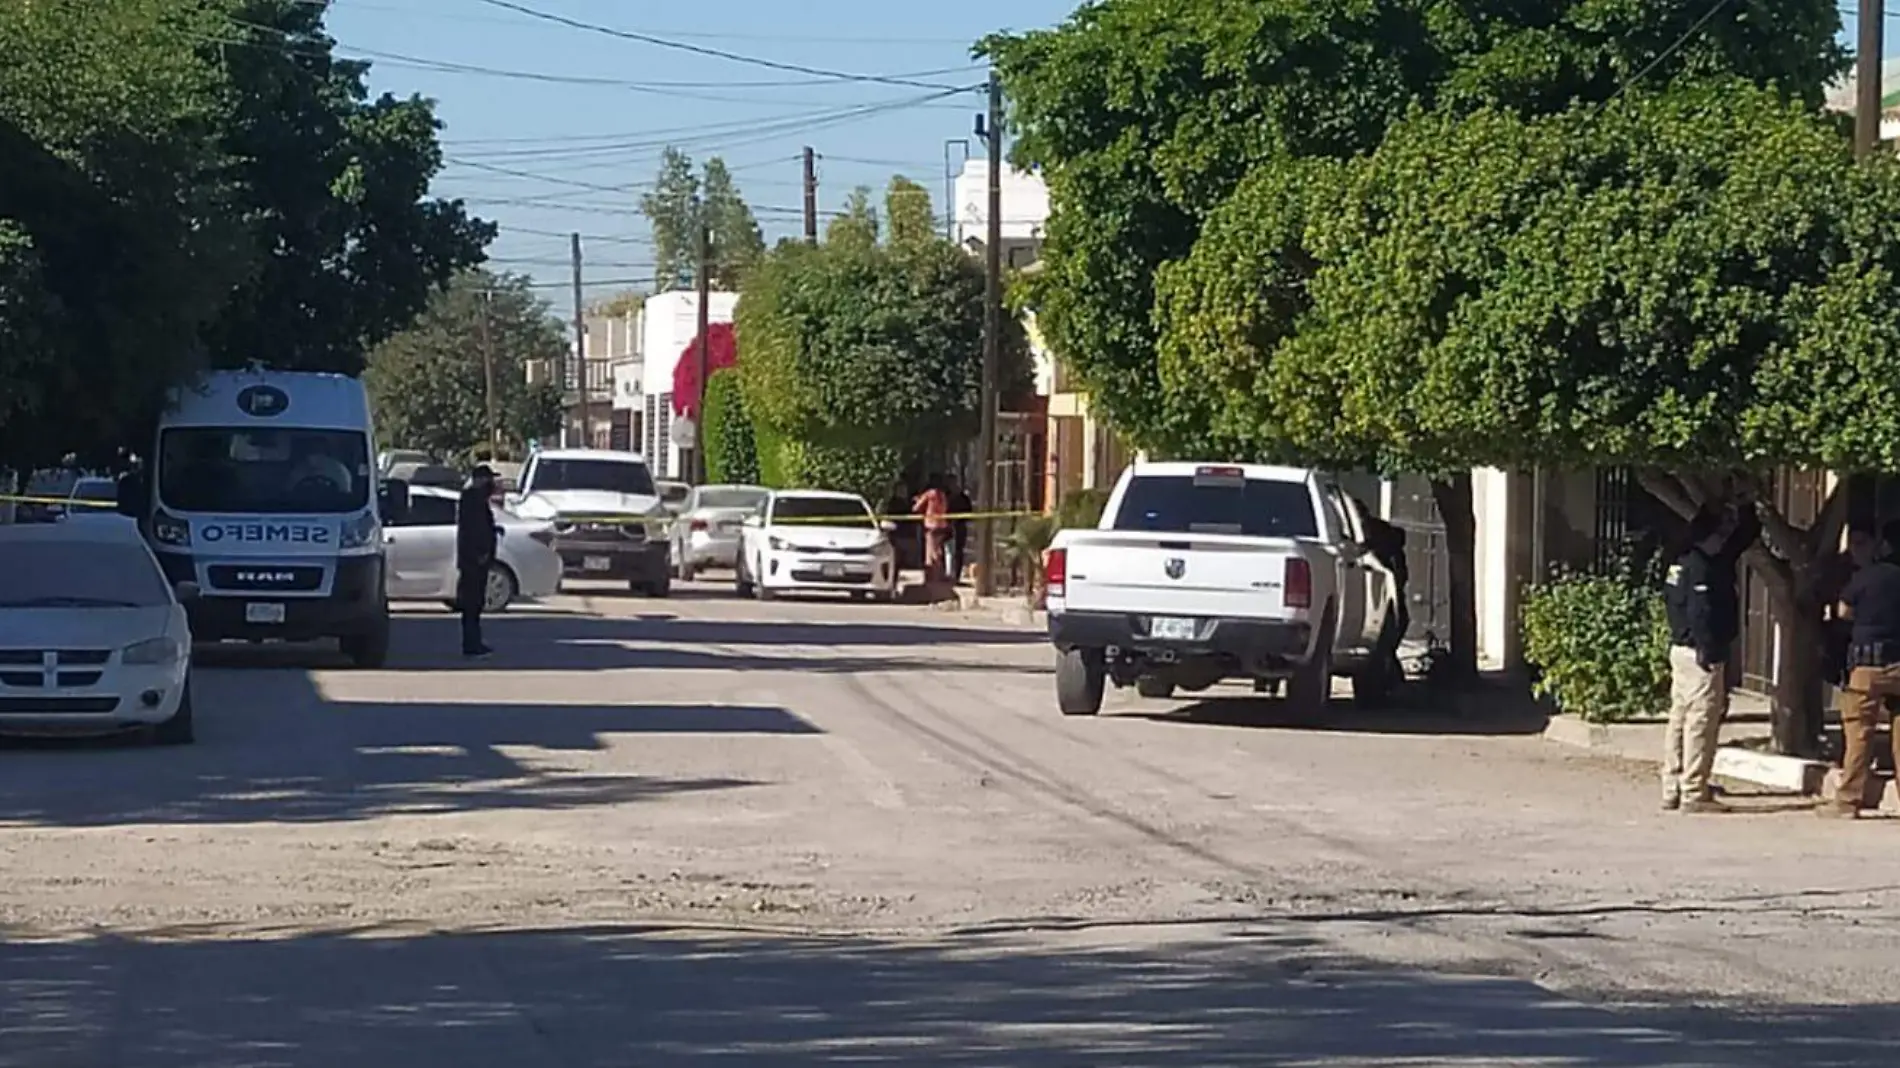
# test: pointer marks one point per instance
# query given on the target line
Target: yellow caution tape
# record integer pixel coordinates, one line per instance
(61, 501)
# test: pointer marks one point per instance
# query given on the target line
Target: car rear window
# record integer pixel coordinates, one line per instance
(81, 574)
(1218, 503)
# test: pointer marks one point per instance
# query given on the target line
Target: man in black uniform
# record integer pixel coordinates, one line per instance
(1870, 604)
(1704, 610)
(1386, 542)
(476, 537)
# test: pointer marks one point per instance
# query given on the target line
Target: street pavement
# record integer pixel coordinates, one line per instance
(810, 832)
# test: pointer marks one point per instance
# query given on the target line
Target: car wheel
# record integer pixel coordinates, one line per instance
(370, 649)
(741, 579)
(501, 590)
(178, 729)
(1081, 676)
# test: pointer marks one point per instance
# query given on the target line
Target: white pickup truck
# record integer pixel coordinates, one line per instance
(1203, 572)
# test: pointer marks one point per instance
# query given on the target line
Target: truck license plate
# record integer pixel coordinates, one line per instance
(263, 613)
(598, 563)
(1171, 628)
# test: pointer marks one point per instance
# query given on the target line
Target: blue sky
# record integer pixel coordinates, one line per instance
(581, 116)
(585, 152)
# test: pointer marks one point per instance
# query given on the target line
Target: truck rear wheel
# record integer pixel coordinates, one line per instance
(1081, 677)
(1311, 687)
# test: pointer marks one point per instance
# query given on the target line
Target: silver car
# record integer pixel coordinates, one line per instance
(706, 531)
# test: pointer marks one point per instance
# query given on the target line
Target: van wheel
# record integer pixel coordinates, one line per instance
(370, 649)
(178, 729)
(1154, 688)
(1081, 676)
(1311, 687)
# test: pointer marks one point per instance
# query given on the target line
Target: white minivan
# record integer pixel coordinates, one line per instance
(262, 490)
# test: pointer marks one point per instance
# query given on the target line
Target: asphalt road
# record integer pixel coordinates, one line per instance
(672, 832)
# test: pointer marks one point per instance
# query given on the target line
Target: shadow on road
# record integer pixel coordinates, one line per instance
(1493, 711)
(605, 998)
(271, 749)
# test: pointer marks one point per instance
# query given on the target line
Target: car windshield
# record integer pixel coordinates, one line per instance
(101, 490)
(822, 511)
(610, 476)
(80, 574)
(1218, 504)
(730, 497)
(264, 472)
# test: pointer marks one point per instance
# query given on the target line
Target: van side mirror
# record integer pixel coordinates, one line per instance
(392, 500)
(134, 496)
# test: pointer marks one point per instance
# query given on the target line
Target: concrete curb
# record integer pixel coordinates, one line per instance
(1641, 742)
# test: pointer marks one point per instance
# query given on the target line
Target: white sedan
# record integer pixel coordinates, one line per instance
(420, 554)
(797, 540)
(93, 640)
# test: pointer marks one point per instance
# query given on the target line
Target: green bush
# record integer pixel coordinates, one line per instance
(1600, 643)
(731, 453)
(1081, 510)
(869, 470)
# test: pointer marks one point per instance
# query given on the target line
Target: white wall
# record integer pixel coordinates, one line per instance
(669, 324)
(1025, 203)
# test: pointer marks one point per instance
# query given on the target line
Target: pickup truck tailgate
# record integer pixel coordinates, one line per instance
(1202, 575)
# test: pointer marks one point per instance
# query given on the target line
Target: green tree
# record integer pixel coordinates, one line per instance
(120, 236)
(907, 211)
(1146, 117)
(335, 193)
(731, 451)
(1700, 283)
(857, 225)
(859, 357)
(429, 383)
(676, 206)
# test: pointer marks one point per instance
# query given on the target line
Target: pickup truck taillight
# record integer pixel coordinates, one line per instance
(1298, 584)
(1055, 572)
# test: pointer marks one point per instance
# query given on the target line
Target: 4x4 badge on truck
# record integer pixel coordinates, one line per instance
(1175, 567)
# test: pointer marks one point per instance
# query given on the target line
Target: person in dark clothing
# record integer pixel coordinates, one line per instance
(1704, 609)
(476, 537)
(960, 505)
(1870, 606)
(1386, 543)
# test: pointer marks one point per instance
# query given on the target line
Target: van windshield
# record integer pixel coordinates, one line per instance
(245, 471)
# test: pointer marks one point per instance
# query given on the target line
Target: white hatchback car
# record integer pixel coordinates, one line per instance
(93, 640)
(817, 540)
(420, 550)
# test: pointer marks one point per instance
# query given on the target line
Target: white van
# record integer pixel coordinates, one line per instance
(262, 490)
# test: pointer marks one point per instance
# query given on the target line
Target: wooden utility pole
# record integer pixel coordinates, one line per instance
(811, 196)
(488, 378)
(1867, 86)
(580, 354)
(986, 495)
(702, 278)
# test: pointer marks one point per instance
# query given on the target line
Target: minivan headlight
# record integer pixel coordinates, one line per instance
(358, 531)
(153, 651)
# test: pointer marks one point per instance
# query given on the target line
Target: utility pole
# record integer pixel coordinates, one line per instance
(702, 278)
(811, 196)
(1867, 78)
(580, 353)
(488, 379)
(992, 348)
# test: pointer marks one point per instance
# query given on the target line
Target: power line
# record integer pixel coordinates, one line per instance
(702, 35)
(703, 50)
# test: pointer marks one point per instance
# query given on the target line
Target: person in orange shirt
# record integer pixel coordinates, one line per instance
(934, 505)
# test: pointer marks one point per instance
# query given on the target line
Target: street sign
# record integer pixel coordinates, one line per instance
(682, 433)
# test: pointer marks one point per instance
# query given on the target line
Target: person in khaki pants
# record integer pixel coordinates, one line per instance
(1700, 595)
(1870, 603)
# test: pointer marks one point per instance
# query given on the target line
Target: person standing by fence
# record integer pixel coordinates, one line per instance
(959, 504)
(933, 504)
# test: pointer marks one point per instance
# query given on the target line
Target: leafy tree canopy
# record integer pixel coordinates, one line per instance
(678, 203)
(429, 382)
(1146, 115)
(185, 184)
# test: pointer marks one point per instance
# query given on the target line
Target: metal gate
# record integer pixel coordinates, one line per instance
(1427, 556)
